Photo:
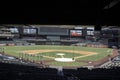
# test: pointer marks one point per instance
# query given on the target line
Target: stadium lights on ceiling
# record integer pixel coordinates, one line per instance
(113, 3)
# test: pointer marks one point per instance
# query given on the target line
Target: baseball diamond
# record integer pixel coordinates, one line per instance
(37, 53)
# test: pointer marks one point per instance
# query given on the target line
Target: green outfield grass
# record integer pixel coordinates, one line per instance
(102, 52)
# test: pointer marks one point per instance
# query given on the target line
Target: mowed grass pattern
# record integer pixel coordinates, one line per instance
(102, 52)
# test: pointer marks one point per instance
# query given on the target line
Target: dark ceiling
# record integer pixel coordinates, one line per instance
(69, 12)
(93, 12)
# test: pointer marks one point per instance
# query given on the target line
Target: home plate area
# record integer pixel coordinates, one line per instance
(62, 59)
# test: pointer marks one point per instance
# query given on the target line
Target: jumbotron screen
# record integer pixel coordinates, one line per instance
(53, 31)
(29, 31)
(76, 33)
(14, 30)
(90, 30)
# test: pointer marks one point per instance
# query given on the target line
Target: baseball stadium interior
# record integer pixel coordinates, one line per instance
(86, 50)
(21, 68)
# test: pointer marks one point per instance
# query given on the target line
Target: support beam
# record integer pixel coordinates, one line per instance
(112, 4)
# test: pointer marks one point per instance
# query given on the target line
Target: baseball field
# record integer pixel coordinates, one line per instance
(50, 53)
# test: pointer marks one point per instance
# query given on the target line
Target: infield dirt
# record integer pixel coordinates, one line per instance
(85, 53)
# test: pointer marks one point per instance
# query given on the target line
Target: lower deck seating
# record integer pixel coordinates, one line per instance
(22, 72)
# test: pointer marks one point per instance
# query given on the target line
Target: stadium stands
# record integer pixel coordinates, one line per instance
(22, 72)
(115, 62)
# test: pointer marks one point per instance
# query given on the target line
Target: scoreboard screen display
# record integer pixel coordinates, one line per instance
(29, 31)
(53, 31)
(14, 30)
(76, 32)
(90, 30)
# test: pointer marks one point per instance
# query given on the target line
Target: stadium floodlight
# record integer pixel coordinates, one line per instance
(113, 3)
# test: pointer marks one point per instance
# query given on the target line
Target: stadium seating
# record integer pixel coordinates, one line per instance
(115, 62)
(23, 72)
(14, 72)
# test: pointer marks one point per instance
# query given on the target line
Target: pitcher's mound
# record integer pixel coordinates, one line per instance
(64, 59)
